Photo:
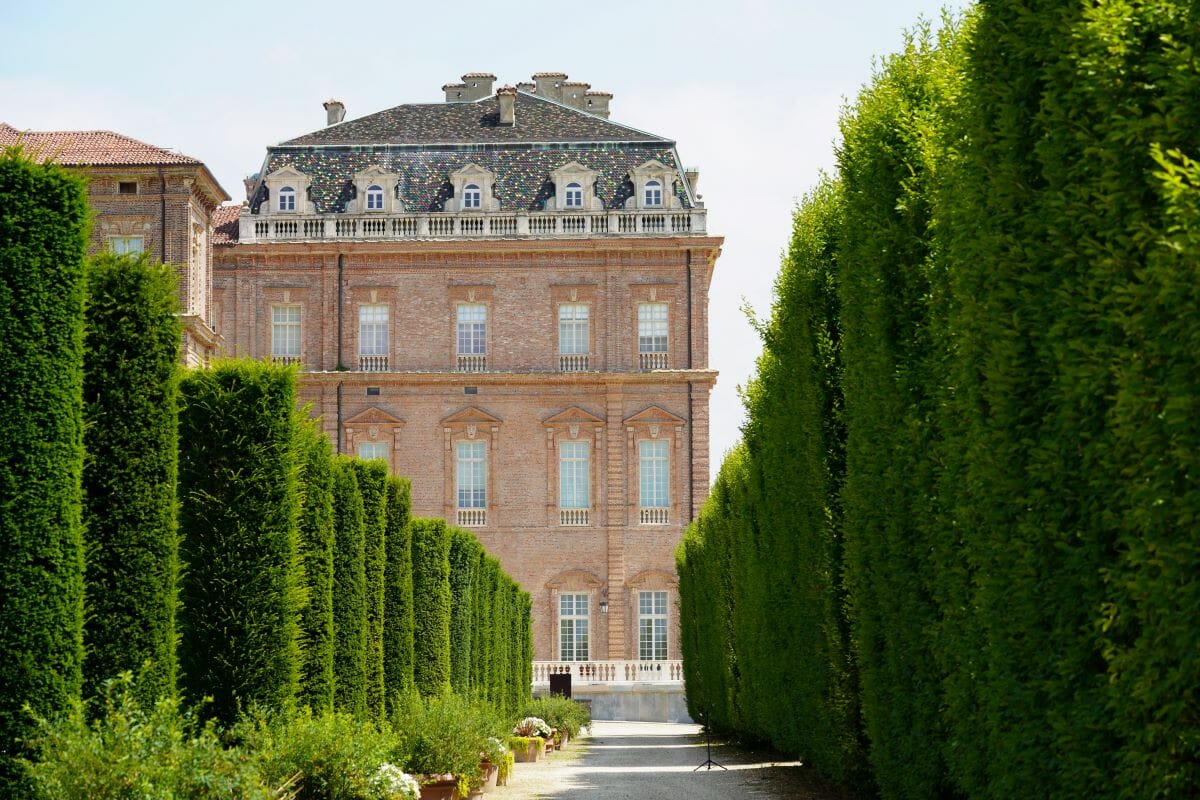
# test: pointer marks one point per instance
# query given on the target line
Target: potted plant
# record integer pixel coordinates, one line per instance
(493, 754)
(389, 782)
(529, 738)
(443, 742)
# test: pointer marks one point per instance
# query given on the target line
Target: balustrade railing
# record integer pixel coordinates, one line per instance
(654, 516)
(372, 363)
(465, 224)
(610, 671)
(572, 363)
(652, 360)
(573, 516)
(285, 360)
(471, 517)
(472, 363)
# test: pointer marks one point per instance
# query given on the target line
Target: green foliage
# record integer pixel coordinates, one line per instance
(43, 229)
(560, 713)
(431, 626)
(131, 411)
(372, 485)
(398, 606)
(349, 592)
(242, 589)
(465, 552)
(446, 734)
(316, 526)
(126, 749)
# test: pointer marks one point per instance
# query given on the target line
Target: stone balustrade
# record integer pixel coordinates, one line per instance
(286, 227)
(568, 517)
(471, 517)
(610, 671)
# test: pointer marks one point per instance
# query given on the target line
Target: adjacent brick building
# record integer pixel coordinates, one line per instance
(145, 198)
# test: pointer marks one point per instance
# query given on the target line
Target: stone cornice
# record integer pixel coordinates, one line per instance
(597, 379)
(711, 244)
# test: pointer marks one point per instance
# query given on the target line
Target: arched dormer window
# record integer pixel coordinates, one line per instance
(287, 199)
(374, 198)
(472, 196)
(653, 194)
(573, 196)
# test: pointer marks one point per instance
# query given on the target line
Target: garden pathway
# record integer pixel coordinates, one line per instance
(655, 761)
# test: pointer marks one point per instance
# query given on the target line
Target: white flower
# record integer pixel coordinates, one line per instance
(390, 782)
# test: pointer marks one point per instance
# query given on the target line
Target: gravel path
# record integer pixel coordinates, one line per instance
(649, 761)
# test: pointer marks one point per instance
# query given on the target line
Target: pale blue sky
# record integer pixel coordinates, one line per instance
(751, 92)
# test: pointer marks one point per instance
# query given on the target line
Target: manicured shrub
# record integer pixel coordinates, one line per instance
(560, 713)
(317, 547)
(465, 551)
(242, 589)
(431, 624)
(131, 437)
(372, 485)
(349, 593)
(43, 229)
(398, 606)
(445, 735)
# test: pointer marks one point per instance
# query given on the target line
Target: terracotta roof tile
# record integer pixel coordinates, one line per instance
(225, 224)
(89, 148)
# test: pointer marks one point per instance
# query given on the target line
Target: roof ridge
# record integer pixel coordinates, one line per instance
(596, 116)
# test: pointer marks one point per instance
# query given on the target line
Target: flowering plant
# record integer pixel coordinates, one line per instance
(493, 750)
(532, 726)
(391, 783)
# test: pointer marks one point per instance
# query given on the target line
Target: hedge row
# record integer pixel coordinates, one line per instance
(43, 229)
(968, 490)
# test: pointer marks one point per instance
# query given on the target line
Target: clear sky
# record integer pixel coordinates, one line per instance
(750, 90)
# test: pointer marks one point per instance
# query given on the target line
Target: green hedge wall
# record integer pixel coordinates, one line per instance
(431, 590)
(241, 591)
(372, 484)
(131, 437)
(317, 536)
(398, 606)
(43, 230)
(465, 551)
(349, 592)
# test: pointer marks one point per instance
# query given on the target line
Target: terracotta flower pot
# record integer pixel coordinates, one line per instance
(490, 771)
(529, 754)
(443, 788)
(563, 738)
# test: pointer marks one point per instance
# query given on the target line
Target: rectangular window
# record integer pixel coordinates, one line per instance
(652, 327)
(573, 329)
(471, 475)
(472, 329)
(127, 187)
(653, 486)
(652, 626)
(127, 244)
(372, 450)
(285, 331)
(573, 470)
(373, 330)
(573, 627)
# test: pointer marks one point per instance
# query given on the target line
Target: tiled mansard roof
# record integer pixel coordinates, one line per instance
(423, 144)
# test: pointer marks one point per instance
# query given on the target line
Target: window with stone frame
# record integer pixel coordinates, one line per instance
(654, 474)
(574, 475)
(470, 475)
(287, 199)
(374, 198)
(653, 332)
(652, 626)
(654, 195)
(127, 245)
(373, 337)
(285, 332)
(574, 336)
(472, 196)
(573, 626)
(368, 451)
(573, 196)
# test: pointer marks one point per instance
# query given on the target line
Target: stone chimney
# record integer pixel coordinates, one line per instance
(597, 103)
(549, 85)
(455, 92)
(335, 112)
(573, 94)
(507, 97)
(526, 86)
(479, 85)
(251, 183)
(693, 177)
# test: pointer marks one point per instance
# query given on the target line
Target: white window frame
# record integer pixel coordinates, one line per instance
(127, 245)
(654, 327)
(574, 329)
(373, 329)
(286, 319)
(654, 473)
(574, 474)
(574, 626)
(286, 199)
(471, 328)
(653, 194)
(472, 197)
(573, 195)
(368, 451)
(374, 198)
(652, 625)
(470, 474)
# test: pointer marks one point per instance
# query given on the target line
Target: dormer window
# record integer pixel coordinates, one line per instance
(653, 194)
(287, 199)
(374, 198)
(574, 196)
(472, 196)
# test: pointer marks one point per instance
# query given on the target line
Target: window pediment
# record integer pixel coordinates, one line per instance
(470, 416)
(375, 188)
(652, 579)
(289, 182)
(644, 177)
(572, 416)
(574, 188)
(374, 416)
(575, 579)
(482, 195)
(654, 416)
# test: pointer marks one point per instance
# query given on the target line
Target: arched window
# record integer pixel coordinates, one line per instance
(574, 195)
(653, 193)
(374, 198)
(472, 197)
(287, 199)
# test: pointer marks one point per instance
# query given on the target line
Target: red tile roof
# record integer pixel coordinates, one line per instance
(89, 148)
(225, 224)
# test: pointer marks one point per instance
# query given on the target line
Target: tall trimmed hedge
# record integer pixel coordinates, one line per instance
(398, 607)
(349, 592)
(431, 590)
(131, 411)
(43, 230)
(465, 552)
(372, 485)
(241, 592)
(317, 537)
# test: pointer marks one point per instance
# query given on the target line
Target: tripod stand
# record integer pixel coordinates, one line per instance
(708, 761)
